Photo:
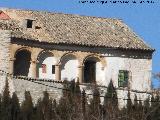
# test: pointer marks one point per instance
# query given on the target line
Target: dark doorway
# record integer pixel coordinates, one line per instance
(22, 63)
(90, 71)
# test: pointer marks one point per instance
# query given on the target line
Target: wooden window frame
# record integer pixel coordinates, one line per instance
(123, 78)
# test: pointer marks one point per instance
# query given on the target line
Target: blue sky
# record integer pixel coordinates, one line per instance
(143, 18)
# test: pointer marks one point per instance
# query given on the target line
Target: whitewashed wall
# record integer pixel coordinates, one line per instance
(69, 68)
(100, 74)
(140, 71)
(48, 60)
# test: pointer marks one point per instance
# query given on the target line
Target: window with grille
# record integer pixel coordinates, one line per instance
(44, 68)
(123, 77)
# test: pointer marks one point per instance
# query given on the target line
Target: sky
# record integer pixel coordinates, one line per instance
(143, 16)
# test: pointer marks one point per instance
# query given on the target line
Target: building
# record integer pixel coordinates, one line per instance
(60, 46)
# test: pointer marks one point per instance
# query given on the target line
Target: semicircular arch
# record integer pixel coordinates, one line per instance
(22, 62)
(95, 58)
(44, 52)
(46, 62)
(22, 49)
(69, 66)
(68, 54)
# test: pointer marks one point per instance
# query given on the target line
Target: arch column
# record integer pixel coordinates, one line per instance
(33, 62)
(12, 65)
(58, 72)
(81, 73)
(32, 71)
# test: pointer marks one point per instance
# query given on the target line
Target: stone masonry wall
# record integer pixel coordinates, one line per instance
(5, 44)
(38, 86)
(36, 89)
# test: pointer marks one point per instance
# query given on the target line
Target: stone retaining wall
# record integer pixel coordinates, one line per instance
(37, 88)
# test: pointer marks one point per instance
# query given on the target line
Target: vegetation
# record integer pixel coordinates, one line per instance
(75, 105)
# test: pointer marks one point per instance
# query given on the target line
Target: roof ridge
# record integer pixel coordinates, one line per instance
(54, 12)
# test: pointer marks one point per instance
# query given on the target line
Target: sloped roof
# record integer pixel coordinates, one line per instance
(72, 29)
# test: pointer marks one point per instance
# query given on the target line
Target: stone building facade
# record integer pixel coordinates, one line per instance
(60, 46)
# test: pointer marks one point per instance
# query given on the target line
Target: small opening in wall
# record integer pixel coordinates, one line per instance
(29, 23)
(53, 69)
(37, 27)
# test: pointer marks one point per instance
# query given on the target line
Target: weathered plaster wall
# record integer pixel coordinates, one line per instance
(48, 61)
(5, 39)
(5, 59)
(100, 74)
(139, 66)
(139, 71)
(69, 68)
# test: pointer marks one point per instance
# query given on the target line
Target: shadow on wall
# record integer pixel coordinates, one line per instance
(22, 63)
(41, 59)
(69, 67)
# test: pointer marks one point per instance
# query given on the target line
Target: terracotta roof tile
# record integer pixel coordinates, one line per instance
(73, 29)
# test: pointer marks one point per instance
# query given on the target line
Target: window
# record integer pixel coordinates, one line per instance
(123, 77)
(44, 68)
(29, 23)
(53, 69)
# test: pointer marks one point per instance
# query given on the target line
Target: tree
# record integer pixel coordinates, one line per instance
(38, 110)
(95, 106)
(129, 110)
(65, 106)
(147, 109)
(110, 102)
(155, 107)
(134, 108)
(6, 103)
(0, 105)
(27, 107)
(15, 107)
(137, 110)
(54, 110)
(46, 106)
(84, 105)
(76, 100)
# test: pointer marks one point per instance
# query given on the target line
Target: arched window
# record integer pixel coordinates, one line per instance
(22, 63)
(92, 70)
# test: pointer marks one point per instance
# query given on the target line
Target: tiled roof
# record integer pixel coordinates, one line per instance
(72, 29)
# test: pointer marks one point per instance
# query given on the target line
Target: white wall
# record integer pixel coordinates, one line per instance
(100, 76)
(69, 68)
(140, 71)
(49, 60)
